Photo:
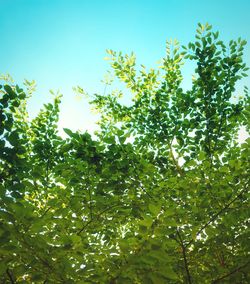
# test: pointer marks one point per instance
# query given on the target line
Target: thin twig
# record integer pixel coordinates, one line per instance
(45, 212)
(99, 215)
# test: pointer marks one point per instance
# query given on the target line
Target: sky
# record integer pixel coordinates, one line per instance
(62, 43)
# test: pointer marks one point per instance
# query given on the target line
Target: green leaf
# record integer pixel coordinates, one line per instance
(68, 132)
(154, 209)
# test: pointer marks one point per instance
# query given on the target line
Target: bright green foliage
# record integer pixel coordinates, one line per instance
(169, 207)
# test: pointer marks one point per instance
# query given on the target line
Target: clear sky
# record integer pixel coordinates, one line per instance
(62, 43)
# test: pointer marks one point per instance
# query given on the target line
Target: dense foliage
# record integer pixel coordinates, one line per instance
(159, 195)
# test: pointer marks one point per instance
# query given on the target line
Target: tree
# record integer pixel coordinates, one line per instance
(159, 196)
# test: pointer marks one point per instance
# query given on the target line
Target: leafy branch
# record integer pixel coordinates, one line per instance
(238, 269)
(215, 216)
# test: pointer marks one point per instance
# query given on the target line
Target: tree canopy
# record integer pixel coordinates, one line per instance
(159, 195)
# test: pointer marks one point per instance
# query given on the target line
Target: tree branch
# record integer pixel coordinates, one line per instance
(230, 273)
(215, 216)
(184, 257)
(178, 168)
(12, 281)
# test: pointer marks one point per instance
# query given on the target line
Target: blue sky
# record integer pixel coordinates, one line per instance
(62, 43)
